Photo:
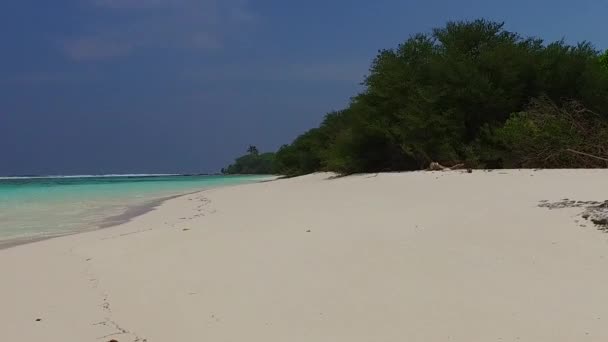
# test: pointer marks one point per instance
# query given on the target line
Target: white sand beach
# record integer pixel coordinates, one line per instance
(422, 256)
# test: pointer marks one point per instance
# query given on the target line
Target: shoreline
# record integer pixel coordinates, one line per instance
(472, 257)
(130, 213)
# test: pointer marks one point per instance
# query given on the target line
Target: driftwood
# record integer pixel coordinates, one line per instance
(438, 167)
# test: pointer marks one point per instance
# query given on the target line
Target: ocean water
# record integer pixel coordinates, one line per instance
(38, 207)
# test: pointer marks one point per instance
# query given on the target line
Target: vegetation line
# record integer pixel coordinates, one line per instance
(470, 93)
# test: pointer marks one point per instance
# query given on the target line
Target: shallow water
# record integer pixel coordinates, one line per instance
(45, 207)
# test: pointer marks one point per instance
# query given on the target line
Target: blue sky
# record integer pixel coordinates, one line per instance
(120, 86)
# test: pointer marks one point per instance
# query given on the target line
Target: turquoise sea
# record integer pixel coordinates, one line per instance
(38, 207)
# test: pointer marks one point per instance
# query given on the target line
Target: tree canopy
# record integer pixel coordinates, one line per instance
(445, 96)
(604, 59)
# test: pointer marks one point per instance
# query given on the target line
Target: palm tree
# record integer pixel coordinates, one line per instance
(253, 150)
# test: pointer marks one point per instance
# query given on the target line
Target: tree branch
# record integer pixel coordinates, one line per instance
(586, 154)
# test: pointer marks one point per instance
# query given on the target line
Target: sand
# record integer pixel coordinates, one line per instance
(424, 256)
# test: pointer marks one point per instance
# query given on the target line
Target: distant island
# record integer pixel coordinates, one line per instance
(467, 93)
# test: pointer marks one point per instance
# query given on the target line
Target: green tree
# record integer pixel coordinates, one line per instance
(604, 60)
(445, 96)
(252, 163)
